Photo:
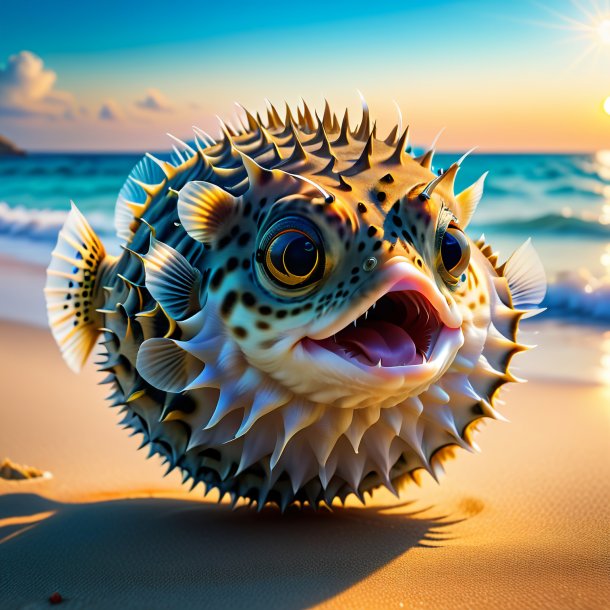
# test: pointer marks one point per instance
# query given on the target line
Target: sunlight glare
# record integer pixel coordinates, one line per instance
(607, 105)
(603, 31)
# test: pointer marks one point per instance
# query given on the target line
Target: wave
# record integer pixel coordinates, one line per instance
(42, 225)
(573, 189)
(552, 224)
(579, 296)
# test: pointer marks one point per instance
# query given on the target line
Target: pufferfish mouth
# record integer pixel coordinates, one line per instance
(399, 325)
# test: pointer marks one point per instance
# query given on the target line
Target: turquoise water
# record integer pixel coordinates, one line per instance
(561, 201)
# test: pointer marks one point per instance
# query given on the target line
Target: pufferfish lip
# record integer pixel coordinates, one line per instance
(398, 325)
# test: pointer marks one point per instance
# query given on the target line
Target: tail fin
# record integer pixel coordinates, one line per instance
(71, 289)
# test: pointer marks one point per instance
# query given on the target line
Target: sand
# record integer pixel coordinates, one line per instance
(524, 524)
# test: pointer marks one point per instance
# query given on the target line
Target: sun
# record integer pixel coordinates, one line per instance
(607, 105)
(603, 31)
(590, 24)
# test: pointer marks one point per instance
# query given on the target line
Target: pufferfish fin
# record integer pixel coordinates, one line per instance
(145, 182)
(166, 366)
(172, 280)
(72, 292)
(203, 208)
(525, 276)
(468, 200)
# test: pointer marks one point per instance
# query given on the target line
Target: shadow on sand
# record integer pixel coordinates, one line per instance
(165, 553)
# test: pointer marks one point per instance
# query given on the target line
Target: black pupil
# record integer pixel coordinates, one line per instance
(451, 251)
(294, 254)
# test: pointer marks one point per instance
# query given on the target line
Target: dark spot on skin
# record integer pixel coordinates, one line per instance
(397, 221)
(234, 231)
(377, 245)
(244, 238)
(354, 280)
(414, 229)
(65, 307)
(240, 332)
(419, 262)
(341, 284)
(307, 306)
(228, 303)
(482, 299)
(296, 311)
(396, 207)
(247, 208)
(262, 202)
(361, 207)
(78, 314)
(281, 313)
(224, 242)
(245, 264)
(371, 231)
(381, 196)
(232, 263)
(388, 179)
(476, 409)
(70, 284)
(248, 299)
(217, 278)
(264, 310)
(262, 325)
(361, 246)
(68, 297)
(355, 270)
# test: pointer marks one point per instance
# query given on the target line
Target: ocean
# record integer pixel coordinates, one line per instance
(561, 201)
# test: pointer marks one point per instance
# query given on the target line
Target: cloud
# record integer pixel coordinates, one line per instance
(156, 101)
(27, 88)
(111, 111)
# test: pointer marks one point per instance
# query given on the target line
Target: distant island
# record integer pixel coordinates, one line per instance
(9, 149)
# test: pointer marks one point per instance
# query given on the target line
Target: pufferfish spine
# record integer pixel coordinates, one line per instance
(298, 314)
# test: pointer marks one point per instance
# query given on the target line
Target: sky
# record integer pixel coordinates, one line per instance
(529, 75)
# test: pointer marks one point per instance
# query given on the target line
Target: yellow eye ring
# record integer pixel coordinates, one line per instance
(292, 256)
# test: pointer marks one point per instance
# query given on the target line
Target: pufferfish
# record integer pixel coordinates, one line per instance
(297, 314)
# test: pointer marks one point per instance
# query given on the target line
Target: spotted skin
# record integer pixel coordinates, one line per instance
(211, 360)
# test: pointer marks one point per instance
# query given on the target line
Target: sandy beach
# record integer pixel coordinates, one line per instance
(522, 525)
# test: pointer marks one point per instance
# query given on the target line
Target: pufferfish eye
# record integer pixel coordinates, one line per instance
(292, 253)
(455, 252)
